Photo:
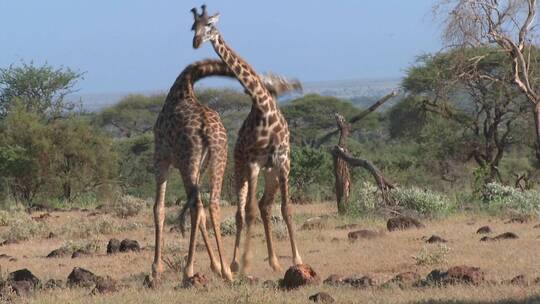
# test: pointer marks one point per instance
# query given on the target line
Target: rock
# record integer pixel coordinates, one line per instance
(456, 275)
(113, 246)
(313, 223)
(334, 280)
(105, 285)
(81, 277)
(23, 282)
(520, 219)
(81, 253)
(22, 288)
(359, 281)
(4, 256)
(129, 245)
(435, 239)
(362, 234)
(58, 253)
(299, 275)
(348, 227)
(53, 284)
(503, 236)
(403, 223)
(483, 230)
(322, 297)
(199, 280)
(404, 280)
(23, 275)
(537, 226)
(506, 236)
(51, 235)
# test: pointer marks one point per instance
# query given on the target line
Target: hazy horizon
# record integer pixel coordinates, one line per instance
(141, 46)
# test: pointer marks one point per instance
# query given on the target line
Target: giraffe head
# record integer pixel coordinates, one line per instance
(203, 26)
(278, 85)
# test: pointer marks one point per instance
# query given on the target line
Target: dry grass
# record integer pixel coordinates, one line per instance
(327, 250)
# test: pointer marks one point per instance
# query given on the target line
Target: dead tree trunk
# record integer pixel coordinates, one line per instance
(341, 168)
(381, 181)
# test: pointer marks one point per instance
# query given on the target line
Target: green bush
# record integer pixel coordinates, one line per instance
(423, 201)
(499, 198)
(228, 226)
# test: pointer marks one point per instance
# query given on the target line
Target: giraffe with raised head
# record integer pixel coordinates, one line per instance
(191, 137)
(263, 143)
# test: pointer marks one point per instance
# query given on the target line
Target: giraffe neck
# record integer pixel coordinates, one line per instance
(249, 79)
(199, 70)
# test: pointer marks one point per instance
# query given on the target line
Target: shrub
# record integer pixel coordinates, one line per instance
(22, 227)
(433, 257)
(423, 201)
(127, 206)
(91, 246)
(364, 198)
(228, 226)
(85, 228)
(500, 198)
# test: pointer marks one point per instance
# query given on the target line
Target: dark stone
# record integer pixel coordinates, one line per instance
(22, 288)
(198, 280)
(456, 275)
(403, 223)
(81, 253)
(299, 275)
(105, 285)
(314, 223)
(359, 281)
(9, 242)
(435, 239)
(129, 245)
(23, 275)
(58, 253)
(483, 230)
(322, 297)
(53, 284)
(51, 235)
(404, 280)
(334, 280)
(81, 277)
(506, 236)
(362, 234)
(113, 246)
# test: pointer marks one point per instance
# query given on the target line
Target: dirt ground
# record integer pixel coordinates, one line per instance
(327, 250)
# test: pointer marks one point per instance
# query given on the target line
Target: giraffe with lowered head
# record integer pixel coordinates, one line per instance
(263, 143)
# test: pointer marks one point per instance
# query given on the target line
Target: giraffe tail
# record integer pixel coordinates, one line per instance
(191, 203)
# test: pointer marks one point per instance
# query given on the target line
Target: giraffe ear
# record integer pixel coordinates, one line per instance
(213, 19)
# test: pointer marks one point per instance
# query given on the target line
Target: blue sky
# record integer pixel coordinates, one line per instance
(140, 45)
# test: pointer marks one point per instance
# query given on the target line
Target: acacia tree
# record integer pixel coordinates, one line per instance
(507, 24)
(471, 88)
(41, 89)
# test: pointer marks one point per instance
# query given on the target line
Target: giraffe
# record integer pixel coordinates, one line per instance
(191, 136)
(263, 143)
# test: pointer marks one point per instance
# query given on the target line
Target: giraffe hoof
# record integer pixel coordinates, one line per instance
(150, 282)
(235, 267)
